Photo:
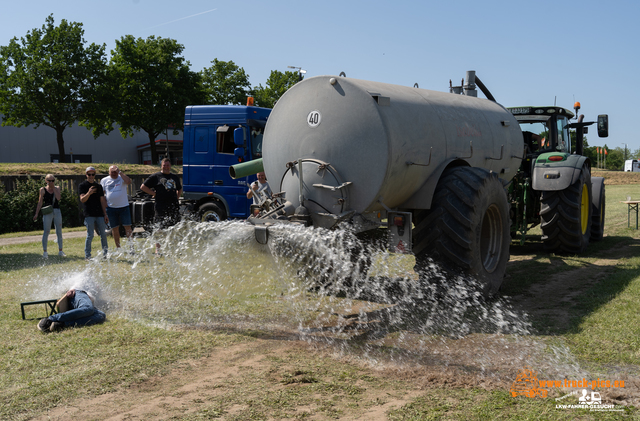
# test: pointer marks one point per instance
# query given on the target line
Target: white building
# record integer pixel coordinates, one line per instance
(30, 144)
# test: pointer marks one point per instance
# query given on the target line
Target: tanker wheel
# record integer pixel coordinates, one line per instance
(467, 227)
(211, 212)
(565, 216)
(597, 220)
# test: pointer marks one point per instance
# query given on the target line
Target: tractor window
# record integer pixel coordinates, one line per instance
(256, 142)
(536, 135)
(564, 141)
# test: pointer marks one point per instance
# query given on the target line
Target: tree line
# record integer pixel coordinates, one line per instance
(51, 77)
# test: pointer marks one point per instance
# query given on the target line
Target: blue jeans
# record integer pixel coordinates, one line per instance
(94, 223)
(83, 312)
(56, 218)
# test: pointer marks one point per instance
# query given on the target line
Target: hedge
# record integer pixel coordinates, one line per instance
(18, 206)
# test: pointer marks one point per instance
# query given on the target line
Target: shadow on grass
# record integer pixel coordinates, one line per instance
(18, 261)
(560, 291)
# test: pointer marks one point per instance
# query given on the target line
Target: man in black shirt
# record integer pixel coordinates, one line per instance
(166, 189)
(94, 205)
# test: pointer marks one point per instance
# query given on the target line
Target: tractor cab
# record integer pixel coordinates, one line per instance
(545, 129)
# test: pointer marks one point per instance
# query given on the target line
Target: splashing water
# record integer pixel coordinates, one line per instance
(322, 286)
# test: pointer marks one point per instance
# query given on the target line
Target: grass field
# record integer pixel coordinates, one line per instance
(245, 337)
(37, 168)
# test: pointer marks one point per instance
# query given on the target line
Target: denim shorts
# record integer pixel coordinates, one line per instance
(119, 216)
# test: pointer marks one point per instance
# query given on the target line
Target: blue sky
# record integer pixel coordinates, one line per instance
(526, 53)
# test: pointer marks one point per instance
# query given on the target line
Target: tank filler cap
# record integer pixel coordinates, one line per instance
(333, 81)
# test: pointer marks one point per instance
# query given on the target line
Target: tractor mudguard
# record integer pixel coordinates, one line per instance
(597, 187)
(556, 175)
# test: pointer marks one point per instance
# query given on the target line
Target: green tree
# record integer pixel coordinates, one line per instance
(224, 83)
(49, 77)
(151, 84)
(615, 159)
(588, 151)
(277, 84)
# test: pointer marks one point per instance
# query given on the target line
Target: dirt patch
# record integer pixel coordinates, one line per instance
(552, 296)
(195, 384)
(551, 300)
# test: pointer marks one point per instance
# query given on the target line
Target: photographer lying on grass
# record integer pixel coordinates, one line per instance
(80, 311)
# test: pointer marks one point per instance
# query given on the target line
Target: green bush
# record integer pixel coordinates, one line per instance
(18, 207)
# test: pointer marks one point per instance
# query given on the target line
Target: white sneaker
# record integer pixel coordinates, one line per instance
(45, 255)
(61, 254)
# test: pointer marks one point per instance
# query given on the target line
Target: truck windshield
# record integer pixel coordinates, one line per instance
(256, 142)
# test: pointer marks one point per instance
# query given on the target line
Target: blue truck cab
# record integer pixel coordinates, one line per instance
(216, 137)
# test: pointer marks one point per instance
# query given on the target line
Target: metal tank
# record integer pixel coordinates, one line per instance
(367, 146)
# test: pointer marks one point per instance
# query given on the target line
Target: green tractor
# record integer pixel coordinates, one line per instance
(554, 186)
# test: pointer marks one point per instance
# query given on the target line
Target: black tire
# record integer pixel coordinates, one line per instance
(211, 212)
(467, 227)
(565, 216)
(597, 220)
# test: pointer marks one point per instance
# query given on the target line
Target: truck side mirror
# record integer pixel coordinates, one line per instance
(239, 152)
(238, 136)
(603, 125)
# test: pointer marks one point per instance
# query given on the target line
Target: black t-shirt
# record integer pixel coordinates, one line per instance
(166, 187)
(47, 199)
(92, 207)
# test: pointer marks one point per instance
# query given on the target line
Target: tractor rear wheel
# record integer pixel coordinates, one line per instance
(565, 216)
(467, 227)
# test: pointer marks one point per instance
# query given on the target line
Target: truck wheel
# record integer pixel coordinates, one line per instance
(565, 216)
(211, 212)
(597, 220)
(467, 227)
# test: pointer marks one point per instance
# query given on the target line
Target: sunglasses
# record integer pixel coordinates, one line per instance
(51, 181)
(91, 174)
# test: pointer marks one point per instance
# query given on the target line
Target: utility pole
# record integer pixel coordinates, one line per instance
(625, 151)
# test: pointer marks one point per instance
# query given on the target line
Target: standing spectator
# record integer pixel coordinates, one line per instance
(166, 189)
(117, 202)
(50, 196)
(94, 205)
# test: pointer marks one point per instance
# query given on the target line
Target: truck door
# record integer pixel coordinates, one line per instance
(230, 189)
(199, 152)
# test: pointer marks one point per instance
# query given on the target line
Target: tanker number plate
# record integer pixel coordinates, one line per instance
(314, 118)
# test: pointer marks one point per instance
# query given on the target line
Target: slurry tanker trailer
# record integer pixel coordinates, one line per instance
(435, 168)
